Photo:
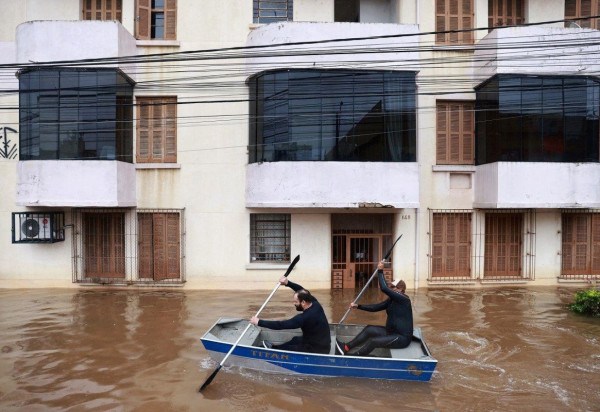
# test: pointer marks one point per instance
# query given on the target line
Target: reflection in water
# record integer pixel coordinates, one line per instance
(100, 350)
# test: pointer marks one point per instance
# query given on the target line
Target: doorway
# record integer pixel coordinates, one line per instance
(358, 244)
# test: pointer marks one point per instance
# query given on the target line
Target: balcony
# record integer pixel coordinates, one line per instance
(37, 43)
(332, 185)
(76, 183)
(542, 185)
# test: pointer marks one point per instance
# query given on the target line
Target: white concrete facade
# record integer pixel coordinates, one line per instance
(212, 180)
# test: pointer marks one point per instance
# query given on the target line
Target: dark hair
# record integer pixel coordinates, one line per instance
(304, 295)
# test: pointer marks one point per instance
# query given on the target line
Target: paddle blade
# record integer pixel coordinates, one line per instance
(289, 269)
(387, 255)
(210, 378)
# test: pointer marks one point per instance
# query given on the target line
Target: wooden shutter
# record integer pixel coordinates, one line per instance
(156, 130)
(104, 245)
(142, 27)
(576, 9)
(145, 259)
(595, 244)
(580, 244)
(159, 245)
(451, 245)
(505, 13)
(503, 244)
(455, 133)
(454, 15)
(102, 10)
(170, 19)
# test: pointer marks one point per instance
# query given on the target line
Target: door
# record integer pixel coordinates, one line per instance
(104, 244)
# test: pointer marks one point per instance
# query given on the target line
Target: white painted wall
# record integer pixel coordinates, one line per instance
(75, 183)
(537, 185)
(332, 185)
(561, 51)
(281, 33)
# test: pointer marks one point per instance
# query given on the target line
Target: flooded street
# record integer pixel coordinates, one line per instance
(121, 350)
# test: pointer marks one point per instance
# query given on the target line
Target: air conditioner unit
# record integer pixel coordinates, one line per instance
(36, 226)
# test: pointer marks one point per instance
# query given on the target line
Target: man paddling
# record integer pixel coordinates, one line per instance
(315, 337)
(398, 330)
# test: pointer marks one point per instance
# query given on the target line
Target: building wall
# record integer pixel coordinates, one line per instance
(209, 180)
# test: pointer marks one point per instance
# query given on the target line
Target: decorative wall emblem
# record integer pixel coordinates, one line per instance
(7, 150)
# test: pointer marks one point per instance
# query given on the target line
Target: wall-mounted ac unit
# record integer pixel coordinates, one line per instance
(38, 227)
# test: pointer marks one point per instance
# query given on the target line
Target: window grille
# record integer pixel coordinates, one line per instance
(505, 244)
(38, 227)
(271, 11)
(450, 251)
(129, 246)
(270, 237)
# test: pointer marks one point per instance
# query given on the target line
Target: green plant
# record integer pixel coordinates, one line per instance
(587, 302)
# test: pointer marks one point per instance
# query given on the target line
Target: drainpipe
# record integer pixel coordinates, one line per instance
(417, 237)
(417, 12)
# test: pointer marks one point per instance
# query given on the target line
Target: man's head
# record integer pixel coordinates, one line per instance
(303, 299)
(400, 285)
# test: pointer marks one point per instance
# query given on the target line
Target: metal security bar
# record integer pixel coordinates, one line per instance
(505, 244)
(128, 246)
(271, 11)
(270, 237)
(450, 245)
(38, 227)
(580, 251)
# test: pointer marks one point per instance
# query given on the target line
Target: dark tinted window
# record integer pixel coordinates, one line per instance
(537, 118)
(75, 114)
(333, 115)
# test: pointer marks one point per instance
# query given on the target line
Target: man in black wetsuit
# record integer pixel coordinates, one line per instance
(315, 337)
(398, 330)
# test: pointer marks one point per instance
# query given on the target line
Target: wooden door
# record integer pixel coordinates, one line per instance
(451, 245)
(580, 244)
(104, 244)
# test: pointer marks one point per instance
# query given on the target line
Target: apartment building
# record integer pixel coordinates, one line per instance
(191, 144)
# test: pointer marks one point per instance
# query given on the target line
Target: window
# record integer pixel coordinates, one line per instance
(576, 9)
(75, 114)
(104, 245)
(333, 115)
(455, 132)
(524, 118)
(103, 10)
(505, 13)
(270, 11)
(580, 244)
(156, 130)
(454, 15)
(159, 244)
(451, 245)
(156, 19)
(270, 237)
(347, 11)
(503, 245)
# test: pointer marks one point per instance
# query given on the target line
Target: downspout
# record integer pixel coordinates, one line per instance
(417, 12)
(417, 237)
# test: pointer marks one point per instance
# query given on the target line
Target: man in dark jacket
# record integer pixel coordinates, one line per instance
(315, 337)
(398, 330)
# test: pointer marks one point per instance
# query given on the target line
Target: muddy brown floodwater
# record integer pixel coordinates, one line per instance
(139, 350)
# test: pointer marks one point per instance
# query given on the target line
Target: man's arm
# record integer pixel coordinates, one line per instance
(293, 323)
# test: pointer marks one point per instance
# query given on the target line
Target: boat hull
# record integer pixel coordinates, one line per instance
(418, 368)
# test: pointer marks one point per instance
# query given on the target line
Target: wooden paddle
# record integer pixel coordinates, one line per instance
(387, 255)
(212, 375)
